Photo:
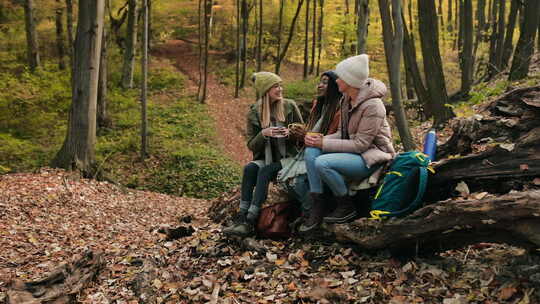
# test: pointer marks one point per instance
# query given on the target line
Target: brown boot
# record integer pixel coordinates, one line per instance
(314, 217)
(345, 211)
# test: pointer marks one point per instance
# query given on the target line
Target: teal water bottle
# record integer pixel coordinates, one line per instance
(430, 144)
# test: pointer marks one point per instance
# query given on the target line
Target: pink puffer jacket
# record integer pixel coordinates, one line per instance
(369, 131)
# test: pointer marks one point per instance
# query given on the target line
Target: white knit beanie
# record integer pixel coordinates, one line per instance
(354, 70)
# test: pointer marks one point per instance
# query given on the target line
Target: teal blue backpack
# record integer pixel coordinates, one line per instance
(403, 186)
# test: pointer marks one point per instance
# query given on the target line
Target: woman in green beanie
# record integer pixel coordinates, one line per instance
(268, 139)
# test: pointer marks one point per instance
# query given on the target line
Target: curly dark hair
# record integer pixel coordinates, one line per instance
(331, 98)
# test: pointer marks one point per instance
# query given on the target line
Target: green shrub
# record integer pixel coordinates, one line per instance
(300, 90)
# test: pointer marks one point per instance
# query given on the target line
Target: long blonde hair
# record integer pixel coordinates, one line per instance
(269, 110)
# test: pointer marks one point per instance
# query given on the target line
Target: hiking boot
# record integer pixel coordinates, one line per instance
(240, 229)
(314, 216)
(239, 218)
(345, 211)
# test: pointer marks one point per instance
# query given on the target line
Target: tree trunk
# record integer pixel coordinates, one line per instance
(512, 219)
(280, 29)
(259, 36)
(69, 24)
(481, 20)
(440, 13)
(466, 54)
(238, 53)
(144, 80)
(345, 33)
(62, 285)
(78, 150)
(59, 13)
(525, 44)
(150, 22)
(395, 77)
(509, 37)
(319, 34)
(306, 40)
(289, 39)
(492, 70)
(449, 20)
(501, 24)
(429, 41)
(200, 34)
(130, 44)
(388, 30)
(103, 119)
(393, 45)
(32, 47)
(456, 19)
(313, 37)
(207, 14)
(245, 22)
(409, 54)
(362, 26)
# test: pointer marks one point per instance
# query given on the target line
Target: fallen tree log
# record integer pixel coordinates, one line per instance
(61, 286)
(512, 218)
(511, 119)
(495, 171)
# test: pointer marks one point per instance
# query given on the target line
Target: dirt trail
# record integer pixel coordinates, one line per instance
(228, 112)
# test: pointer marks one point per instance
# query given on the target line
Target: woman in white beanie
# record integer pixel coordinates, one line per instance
(356, 150)
(267, 137)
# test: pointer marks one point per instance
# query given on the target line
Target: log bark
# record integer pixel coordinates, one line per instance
(513, 218)
(61, 286)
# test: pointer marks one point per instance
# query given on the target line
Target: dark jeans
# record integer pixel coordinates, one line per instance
(255, 182)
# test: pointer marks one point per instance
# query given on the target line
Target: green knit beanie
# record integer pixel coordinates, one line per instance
(263, 81)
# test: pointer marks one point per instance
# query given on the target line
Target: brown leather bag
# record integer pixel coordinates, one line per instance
(274, 220)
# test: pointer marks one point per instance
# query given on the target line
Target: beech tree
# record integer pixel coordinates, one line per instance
(32, 47)
(69, 27)
(393, 46)
(130, 44)
(283, 52)
(411, 66)
(362, 25)
(238, 52)
(78, 149)
(59, 13)
(103, 119)
(466, 57)
(144, 81)
(259, 36)
(306, 40)
(427, 23)
(319, 34)
(525, 44)
(509, 37)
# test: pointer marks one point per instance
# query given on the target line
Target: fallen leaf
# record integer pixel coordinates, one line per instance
(480, 195)
(508, 147)
(507, 292)
(463, 189)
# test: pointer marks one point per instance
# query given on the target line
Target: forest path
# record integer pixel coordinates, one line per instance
(229, 113)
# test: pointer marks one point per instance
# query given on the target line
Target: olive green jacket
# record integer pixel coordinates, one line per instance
(256, 141)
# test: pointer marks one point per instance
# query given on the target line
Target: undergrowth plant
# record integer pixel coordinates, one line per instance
(184, 159)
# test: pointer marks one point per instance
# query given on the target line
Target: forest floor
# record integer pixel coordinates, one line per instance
(49, 216)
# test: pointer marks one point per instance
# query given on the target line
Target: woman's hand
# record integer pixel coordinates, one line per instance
(275, 132)
(267, 132)
(315, 141)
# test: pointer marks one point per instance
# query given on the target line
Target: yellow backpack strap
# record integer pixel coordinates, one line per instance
(376, 214)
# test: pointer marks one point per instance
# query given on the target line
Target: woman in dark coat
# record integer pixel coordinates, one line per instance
(268, 139)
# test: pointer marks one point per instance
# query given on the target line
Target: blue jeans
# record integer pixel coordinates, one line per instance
(333, 168)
